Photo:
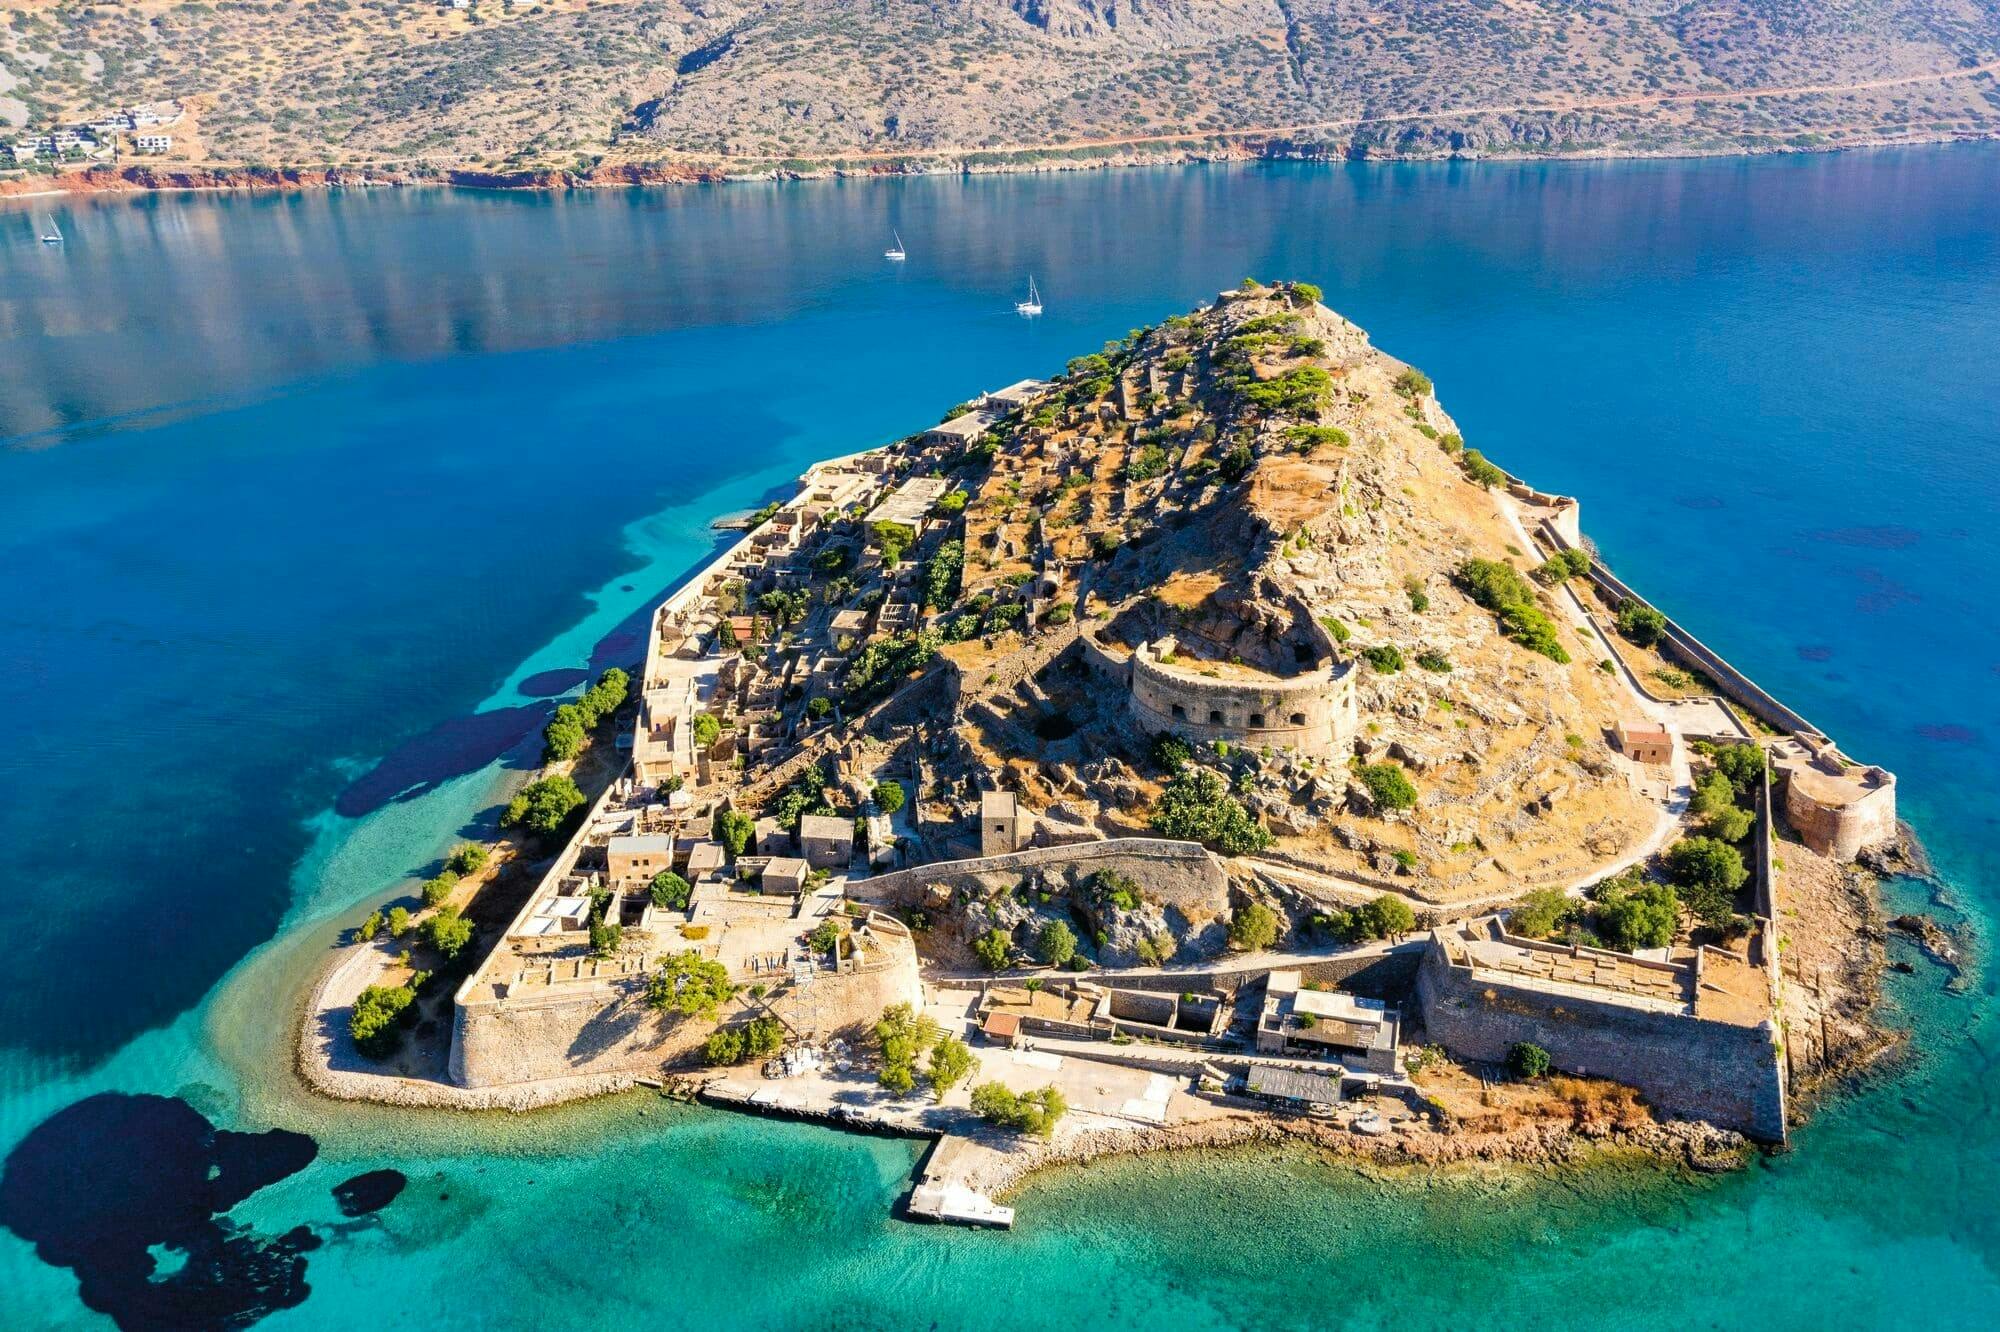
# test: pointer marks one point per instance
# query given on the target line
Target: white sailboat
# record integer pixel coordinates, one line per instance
(1033, 305)
(896, 253)
(53, 236)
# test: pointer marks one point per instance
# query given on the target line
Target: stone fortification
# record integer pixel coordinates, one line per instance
(1840, 811)
(1313, 712)
(1182, 874)
(1725, 1071)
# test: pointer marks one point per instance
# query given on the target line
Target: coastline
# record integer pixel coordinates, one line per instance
(165, 178)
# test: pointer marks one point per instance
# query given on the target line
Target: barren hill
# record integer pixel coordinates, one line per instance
(605, 85)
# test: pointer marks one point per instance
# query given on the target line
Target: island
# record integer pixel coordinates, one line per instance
(1204, 745)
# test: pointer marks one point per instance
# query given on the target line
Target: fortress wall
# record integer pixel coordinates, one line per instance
(1727, 1075)
(1842, 831)
(574, 1029)
(1175, 873)
(1312, 713)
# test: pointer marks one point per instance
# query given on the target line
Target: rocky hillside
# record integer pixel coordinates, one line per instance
(1260, 484)
(915, 84)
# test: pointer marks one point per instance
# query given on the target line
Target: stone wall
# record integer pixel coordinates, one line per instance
(1841, 827)
(571, 1030)
(1313, 713)
(1180, 874)
(1728, 1075)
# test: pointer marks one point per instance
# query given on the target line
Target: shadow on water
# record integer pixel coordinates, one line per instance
(450, 749)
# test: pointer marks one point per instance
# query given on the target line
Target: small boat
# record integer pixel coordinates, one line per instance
(53, 236)
(896, 253)
(1033, 305)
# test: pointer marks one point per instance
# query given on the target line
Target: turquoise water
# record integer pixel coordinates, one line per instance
(308, 504)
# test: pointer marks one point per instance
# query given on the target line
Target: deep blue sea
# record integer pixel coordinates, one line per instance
(309, 505)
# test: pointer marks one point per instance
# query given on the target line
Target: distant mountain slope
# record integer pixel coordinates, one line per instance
(752, 84)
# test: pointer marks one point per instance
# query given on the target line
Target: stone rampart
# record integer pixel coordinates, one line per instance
(1172, 872)
(1313, 713)
(1726, 1074)
(568, 1029)
(1840, 815)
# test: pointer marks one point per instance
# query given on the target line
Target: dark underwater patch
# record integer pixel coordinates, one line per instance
(449, 749)
(1886, 537)
(1701, 502)
(369, 1192)
(553, 684)
(99, 1184)
(1950, 733)
(1815, 652)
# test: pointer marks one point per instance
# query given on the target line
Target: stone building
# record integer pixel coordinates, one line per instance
(1839, 809)
(1644, 741)
(999, 823)
(826, 842)
(1313, 712)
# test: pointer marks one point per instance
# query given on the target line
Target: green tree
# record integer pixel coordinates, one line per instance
(994, 949)
(824, 937)
(764, 1037)
(889, 796)
(1730, 825)
(723, 1046)
(437, 889)
(734, 829)
(370, 927)
(1034, 1112)
(1303, 293)
(1708, 872)
(1389, 787)
(1196, 806)
(893, 540)
(1501, 589)
(1640, 622)
(565, 736)
(689, 985)
(1632, 915)
(902, 1034)
(447, 931)
(1254, 927)
(952, 501)
(1541, 913)
(819, 707)
(468, 858)
(1389, 916)
(1742, 764)
(707, 730)
(399, 921)
(380, 1012)
(670, 891)
(951, 1060)
(1057, 943)
(605, 935)
(544, 806)
(1171, 752)
(1712, 794)
(1527, 1061)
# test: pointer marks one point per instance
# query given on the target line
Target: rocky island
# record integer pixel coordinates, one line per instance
(1204, 745)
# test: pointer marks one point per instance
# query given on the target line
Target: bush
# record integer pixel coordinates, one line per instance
(689, 985)
(1631, 915)
(943, 574)
(824, 937)
(1527, 1061)
(892, 540)
(398, 922)
(1057, 943)
(1034, 1112)
(1171, 752)
(1710, 872)
(670, 891)
(1386, 658)
(370, 927)
(1433, 660)
(1388, 786)
(447, 931)
(1730, 825)
(764, 1037)
(1541, 913)
(1641, 623)
(1501, 589)
(889, 796)
(436, 890)
(1388, 916)
(379, 1015)
(1145, 463)
(1480, 472)
(723, 1047)
(604, 936)
(468, 858)
(1742, 764)
(734, 829)
(707, 730)
(1197, 807)
(1413, 383)
(1564, 565)
(952, 501)
(544, 806)
(994, 949)
(1341, 633)
(1254, 928)
(1303, 293)
(819, 707)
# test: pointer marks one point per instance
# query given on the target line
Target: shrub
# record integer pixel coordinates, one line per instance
(1057, 943)
(1254, 927)
(819, 707)
(707, 730)
(824, 937)
(670, 891)
(889, 796)
(1742, 764)
(1433, 660)
(723, 1047)
(734, 829)
(1389, 787)
(952, 501)
(380, 1012)
(1034, 1112)
(448, 932)
(1564, 565)
(1196, 806)
(1501, 589)
(1730, 825)
(604, 936)
(1341, 633)
(468, 858)
(689, 985)
(1303, 293)
(1527, 1061)
(398, 922)
(1307, 438)
(1641, 623)
(1145, 463)
(1413, 383)
(1631, 916)
(1710, 872)
(943, 574)
(1388, 916)
(370, 927)
(1386, 658)
(1171, 752)
(764, 1037)
(544, 806)
(994, 949)
(1479, 471)
(892, 540)
(436, 890)
(1541, 913)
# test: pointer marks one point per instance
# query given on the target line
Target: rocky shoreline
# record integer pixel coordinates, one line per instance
(256, 179)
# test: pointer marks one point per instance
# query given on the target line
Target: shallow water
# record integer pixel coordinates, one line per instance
(309, 504)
